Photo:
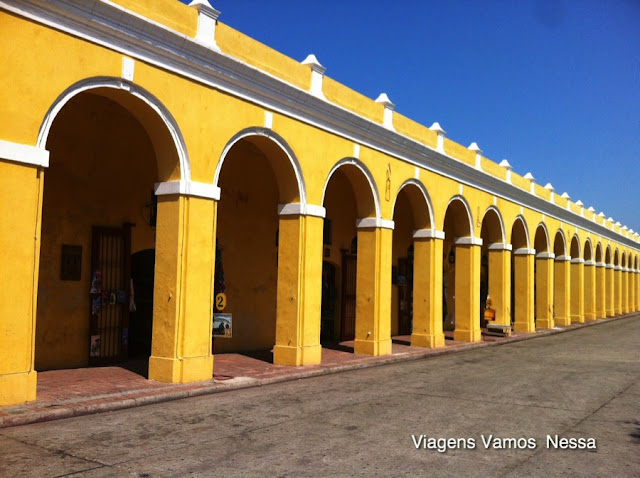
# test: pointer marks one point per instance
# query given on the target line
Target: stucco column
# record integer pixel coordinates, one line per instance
(183, 289)
(544, 290)
(624, 280)
(635, 290)
(561, 290)
(427, 288)
(589, 290)
(500, 281)
(523, 293)
(577, 290)
(601, 292)
(617, 304)
(467, 289)
(373, 287)
(299, 294)
(20, 222)
(610, 290)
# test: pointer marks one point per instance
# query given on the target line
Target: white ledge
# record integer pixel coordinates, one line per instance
(563, 258)
(589, 263)
(545, 255)
(428, 234)
(301, 209)
(500, 246)
(25, 154)
(188, 188)
(368, 222)
(577, 260)
(524, 251)
(468, 241)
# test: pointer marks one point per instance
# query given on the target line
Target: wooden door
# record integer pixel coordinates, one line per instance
(109, 295)
(348, 319)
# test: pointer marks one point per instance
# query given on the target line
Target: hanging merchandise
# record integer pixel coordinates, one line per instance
(219, 283)
(96, 303)
(96, 282)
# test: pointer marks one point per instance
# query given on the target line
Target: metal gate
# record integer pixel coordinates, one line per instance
(348, 323)
(109, 295)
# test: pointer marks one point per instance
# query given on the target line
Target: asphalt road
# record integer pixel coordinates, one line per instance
(577, 385)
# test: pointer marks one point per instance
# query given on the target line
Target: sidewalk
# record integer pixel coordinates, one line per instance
(75, 392)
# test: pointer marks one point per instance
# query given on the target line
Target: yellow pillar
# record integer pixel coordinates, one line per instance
(544, 290)
(589, 290)
(500, 281)
(601, 292)
(523, 293)
(577, 290)
(561, 290)
(634, 275)
(299, 293)
(373, 287)
(618, 290)
(183, 289)
(467, 289)
(20, 222)
(610, 289)
(427, 288)
(624, 280)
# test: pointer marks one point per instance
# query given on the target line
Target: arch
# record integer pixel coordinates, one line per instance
(493, 211)
(575, 247)
(598, 252)
(636, 263)
(117, 84)
(560, 244)
(367, 174)
(541, 239)
(453, 203)
(588, 250)
(519, 231)
(420, 191)
(616, 258)
(623, 260)
(275, 139)
(607, 259)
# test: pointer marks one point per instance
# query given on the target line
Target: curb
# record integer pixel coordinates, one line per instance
(138, 398)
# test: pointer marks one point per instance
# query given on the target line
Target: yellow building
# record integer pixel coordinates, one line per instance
(140, 140)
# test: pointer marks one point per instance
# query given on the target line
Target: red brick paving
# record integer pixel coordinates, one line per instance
(72, 392)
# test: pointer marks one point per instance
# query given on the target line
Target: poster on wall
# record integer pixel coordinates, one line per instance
(222, 325)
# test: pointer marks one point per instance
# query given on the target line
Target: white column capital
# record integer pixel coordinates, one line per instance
(500, 246)
(428, 234)
(187, 188)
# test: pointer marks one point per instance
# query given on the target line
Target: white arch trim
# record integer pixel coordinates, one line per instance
(424, 192)
(464, 202)
(134, 90)
(279, 141)
(500, 220)
(520, 218)
(360, 165)
(584, 248)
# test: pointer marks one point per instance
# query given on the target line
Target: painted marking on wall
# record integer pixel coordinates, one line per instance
(268, 119)
(128, 68)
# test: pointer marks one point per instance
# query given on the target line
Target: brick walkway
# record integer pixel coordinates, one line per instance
(74, 392)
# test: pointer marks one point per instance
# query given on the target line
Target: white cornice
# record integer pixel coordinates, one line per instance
(102, 22)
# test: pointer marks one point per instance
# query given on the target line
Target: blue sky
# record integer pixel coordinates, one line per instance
(552, 86)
